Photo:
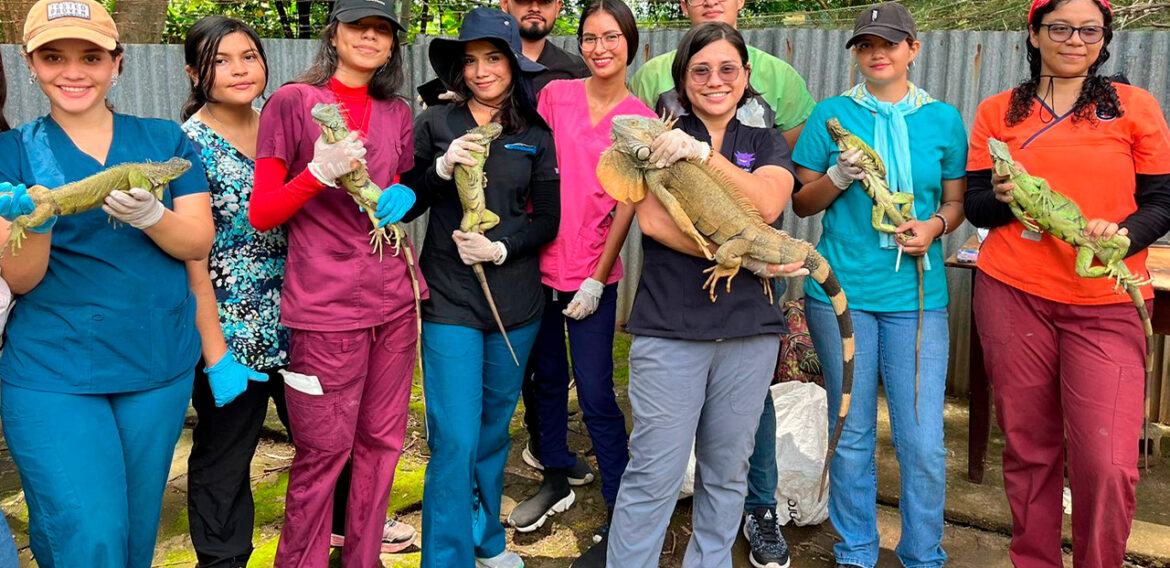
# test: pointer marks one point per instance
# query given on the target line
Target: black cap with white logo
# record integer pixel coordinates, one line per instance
(350, 11)
(890, 21)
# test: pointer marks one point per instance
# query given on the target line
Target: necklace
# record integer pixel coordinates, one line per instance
(364, 124)
(225, 132)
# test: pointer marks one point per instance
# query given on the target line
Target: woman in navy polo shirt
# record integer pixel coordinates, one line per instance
(98, 367)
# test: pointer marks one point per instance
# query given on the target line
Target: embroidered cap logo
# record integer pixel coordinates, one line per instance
(873, 16)
(58, 10)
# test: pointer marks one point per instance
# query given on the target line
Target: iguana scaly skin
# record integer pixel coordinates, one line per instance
(91, 192)
(365, 193)
(708, 207)
(1041, 209)
(471, 183)
(897, 207)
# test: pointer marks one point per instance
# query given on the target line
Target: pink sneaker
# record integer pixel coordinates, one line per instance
(396, 537)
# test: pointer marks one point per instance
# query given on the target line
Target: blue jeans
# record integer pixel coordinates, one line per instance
(762, 471)
(885, 342)
(591, 346)
(472, 386)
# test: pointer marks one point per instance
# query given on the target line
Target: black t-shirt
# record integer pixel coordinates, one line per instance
(560, 64)
(523, 189)
(670, 301)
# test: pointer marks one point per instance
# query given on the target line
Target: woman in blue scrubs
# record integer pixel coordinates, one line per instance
(101, 346)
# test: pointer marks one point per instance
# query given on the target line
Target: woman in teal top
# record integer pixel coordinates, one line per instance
(98, 366)
(888, 113)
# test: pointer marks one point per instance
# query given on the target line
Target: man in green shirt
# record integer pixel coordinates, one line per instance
(785, 104)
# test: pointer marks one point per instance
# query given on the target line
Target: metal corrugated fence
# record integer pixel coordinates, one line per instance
(959, 67)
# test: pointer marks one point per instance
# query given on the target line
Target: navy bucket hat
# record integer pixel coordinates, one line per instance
(489, 24)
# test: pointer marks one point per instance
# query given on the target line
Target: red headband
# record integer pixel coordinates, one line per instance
(1037, 4)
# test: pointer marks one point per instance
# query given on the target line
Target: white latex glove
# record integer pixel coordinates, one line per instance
(846, 170)
(137, 208)
(331, 161)
(674, 145)
(459, 152)
(585, 301)
(760, 268)
(475, 248)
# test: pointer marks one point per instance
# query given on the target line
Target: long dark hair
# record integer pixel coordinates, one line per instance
(200, 48)
(1098, 95)
(385, 83)
(3, 98)
(699, 37)
(625, 21)
(517, 102)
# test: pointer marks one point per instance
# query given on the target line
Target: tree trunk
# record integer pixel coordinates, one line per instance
(285, 25)
(304, 19)
(140, 21)
(402, 10)
(12, 14)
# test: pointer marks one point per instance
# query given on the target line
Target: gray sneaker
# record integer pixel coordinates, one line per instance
(762, 531)
(503, 560)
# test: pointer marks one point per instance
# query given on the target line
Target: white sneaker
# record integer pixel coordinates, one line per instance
(503, 560)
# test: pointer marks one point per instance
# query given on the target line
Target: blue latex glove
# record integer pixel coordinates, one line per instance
(395, 201)
(15, 201)
(229, 378)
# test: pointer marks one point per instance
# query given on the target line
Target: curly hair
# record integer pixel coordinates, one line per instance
(1098, 96)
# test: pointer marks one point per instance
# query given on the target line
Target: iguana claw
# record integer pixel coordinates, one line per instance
(715, 273)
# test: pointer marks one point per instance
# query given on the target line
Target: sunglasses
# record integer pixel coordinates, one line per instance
(701, 74)
(1064, 32)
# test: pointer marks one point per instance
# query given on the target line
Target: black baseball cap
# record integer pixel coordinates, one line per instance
(890, 21)
(350, 11)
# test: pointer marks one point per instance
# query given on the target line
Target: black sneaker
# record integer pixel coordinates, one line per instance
(762, 531)
(595, 556)
(554, 497)
(601, 532)
(580, 474)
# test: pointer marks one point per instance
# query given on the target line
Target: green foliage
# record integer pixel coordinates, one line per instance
(260, 14)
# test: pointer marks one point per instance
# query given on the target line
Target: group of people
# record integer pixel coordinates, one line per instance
(252, 279)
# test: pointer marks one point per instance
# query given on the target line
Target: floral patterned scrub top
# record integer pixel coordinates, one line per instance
(247, 266)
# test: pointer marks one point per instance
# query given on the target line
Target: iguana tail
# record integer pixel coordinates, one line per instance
(820, 271)
(918, 343)
(1135, 294)
(487, 292)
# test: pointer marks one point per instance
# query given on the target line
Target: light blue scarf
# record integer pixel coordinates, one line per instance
(891, 138)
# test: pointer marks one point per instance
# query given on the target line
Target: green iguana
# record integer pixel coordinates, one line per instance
(91, 192)
(471, 182)
(708, 207)
(365, 193)
(1041, 209)
(898, 207)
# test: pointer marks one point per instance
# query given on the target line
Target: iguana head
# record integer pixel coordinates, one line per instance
(154, 176)
(328, 116)
(847, 140)
(632, 135)
(1001, 157)
(488, 131)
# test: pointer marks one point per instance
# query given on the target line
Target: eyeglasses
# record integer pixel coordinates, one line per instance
(608, 41)
(701, 74)
(1064, 32)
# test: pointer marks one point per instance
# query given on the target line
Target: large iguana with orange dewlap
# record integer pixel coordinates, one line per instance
(709, 208)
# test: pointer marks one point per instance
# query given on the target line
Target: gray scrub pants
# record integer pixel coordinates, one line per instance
(708, 394)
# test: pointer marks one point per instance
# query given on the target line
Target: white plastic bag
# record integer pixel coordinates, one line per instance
(802, 438)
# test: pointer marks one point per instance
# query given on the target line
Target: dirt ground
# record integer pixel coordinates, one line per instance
(975, 537)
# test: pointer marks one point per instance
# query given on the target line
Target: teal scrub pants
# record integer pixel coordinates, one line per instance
(93, 469)
(472, 386)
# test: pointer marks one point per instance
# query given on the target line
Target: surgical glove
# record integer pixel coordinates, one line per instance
(229, 378)
(331, 161)
(459, 152)
(395, 201)
(475, 248)
(760, 268)
(585, 301)
(846, 170)
(674, 145)
(15, 201)
(137, 207)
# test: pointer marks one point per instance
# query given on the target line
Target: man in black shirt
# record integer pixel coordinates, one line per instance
(537, 18)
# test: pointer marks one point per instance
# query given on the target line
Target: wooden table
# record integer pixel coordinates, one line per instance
(979, 397)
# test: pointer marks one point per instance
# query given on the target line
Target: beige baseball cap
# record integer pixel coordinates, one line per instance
(51, 20)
